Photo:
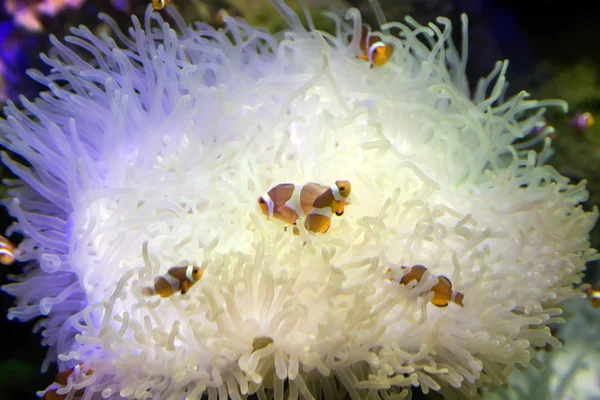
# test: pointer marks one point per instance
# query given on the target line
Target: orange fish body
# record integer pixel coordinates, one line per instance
(220, 16)
(442, 291)
(61, 379)
(331, 201)
(582, 122)
(7, 250)
(288, 202)
(373, 49)
(52, 395)
(159, 4)
(594, 296)
(415, 272)
(177, 279)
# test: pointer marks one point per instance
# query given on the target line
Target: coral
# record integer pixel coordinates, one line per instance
(151, 150)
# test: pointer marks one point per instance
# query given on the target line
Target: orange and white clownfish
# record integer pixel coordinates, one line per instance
(177, 279)
(220, 16)
(159, 4)
(331, 201)
(7, 250)
(373, 49)
(61, 378)
(594, 296)
(442, 291)
(581, 122)
(288, 202)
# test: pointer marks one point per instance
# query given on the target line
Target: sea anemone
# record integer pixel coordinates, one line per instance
(571, 372)
(150, 149)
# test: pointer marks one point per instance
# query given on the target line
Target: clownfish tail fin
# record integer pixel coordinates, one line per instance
(458, 298)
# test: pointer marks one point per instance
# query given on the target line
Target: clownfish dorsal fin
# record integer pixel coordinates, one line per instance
(443, 279)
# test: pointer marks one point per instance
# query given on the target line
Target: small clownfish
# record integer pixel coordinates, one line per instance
(159, 4)
(581, 122)
(331, 201)
(373, 49)
(544, 128)
(288, 202)
(62, 378)
(594, 296)
(177, 279)
(442, 291)
(220, 16)
(7, 250)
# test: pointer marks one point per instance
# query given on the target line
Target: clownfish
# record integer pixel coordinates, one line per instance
(61, 379)
(159, 4)
(220, 16)
(442, 291)
(7, 250)
(288, 202)
(373, 49)
(594, 296)
(331, 201)
(177, 279)
(581, 122)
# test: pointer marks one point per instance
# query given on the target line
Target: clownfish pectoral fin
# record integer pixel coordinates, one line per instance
(317, 223)
(286, 214)
(185, 287)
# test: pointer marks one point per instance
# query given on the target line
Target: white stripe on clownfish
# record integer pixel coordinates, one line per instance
(172, 281)
(177, 279)
(324, 211)
(330, 201)
(374, 48)
(295, 201)
(336, 193)
(7, 250)
(288, 202)
(270, 205)
(189, 274)
(159, 4)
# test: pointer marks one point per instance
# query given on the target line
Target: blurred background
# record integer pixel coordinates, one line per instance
(553, 51)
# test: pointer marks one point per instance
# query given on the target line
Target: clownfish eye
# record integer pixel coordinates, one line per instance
(261, 200)
(196, 272)
(343, 188)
